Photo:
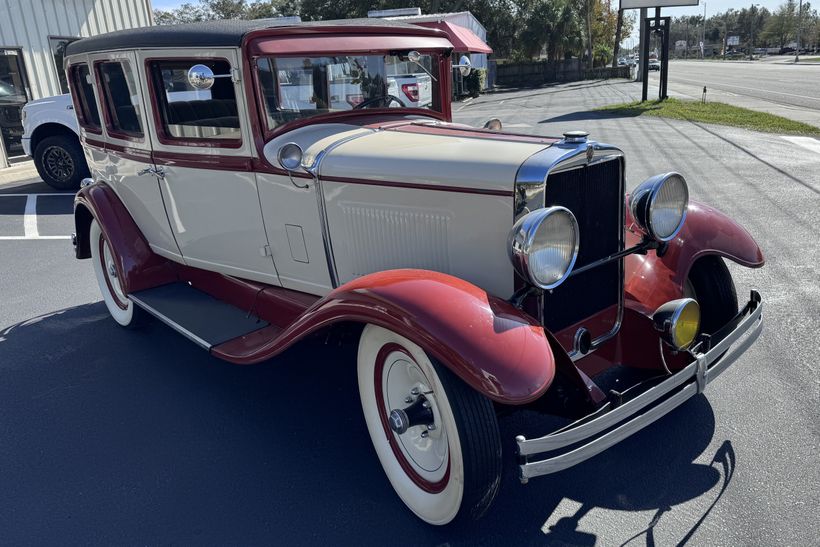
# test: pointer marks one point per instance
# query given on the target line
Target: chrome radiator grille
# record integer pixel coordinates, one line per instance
(594, 193)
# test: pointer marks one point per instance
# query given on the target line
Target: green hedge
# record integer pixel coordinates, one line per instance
(476, 81)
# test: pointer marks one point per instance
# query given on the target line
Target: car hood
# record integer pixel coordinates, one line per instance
(429, 154)
(57, 101)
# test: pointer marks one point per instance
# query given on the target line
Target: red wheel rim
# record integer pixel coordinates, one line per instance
(120, 304)
(407, 467)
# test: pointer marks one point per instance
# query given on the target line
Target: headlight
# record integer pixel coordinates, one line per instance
(678, 322)
(543, 246)
(659, 205)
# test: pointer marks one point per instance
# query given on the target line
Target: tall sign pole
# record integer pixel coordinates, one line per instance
(799, 23)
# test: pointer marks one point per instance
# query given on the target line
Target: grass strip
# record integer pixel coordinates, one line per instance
(713, 112)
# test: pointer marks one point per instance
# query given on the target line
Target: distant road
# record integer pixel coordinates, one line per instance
(790, 90)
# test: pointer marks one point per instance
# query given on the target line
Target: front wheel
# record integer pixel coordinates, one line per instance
(436, 438)
(710, 283)
(60, 162)
(121, 308)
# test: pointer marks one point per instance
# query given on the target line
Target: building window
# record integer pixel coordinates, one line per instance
(58, 46)
(195, 115)
(121, 100)
(87, 112)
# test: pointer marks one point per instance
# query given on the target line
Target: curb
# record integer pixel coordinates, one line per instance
(18, 172)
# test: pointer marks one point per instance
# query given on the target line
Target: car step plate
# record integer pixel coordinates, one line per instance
(197, 315)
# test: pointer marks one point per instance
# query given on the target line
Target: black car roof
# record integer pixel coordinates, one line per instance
(225, 33)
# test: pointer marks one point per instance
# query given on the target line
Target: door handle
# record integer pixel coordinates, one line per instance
(156, 171)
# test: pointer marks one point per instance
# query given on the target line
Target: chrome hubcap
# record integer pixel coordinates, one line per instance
(414, 418)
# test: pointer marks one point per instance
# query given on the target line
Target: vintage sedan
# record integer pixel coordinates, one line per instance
(256, 182)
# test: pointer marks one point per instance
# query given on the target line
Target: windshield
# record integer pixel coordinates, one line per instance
(301, 87)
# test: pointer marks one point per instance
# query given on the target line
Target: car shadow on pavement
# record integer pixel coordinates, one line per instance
(594, 115)
(110, 436)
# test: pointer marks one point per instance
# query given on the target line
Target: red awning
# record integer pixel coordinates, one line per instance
(462, 38)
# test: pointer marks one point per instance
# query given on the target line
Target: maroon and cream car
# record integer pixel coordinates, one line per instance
(256, 182)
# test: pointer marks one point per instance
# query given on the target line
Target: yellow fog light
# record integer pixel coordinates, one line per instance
(678, 322)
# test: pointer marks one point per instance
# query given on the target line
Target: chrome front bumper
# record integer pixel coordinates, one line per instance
(593, 434)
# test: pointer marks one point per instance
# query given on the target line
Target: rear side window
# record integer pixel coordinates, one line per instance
(87, 114)
(121, 100)
(185, 113)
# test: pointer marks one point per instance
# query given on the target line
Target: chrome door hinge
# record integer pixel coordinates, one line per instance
(236, 75)
(265, 251)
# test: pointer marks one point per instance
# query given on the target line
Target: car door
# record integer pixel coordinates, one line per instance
(126, 147)
(202, 150)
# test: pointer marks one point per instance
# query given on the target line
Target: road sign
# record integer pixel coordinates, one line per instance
(636, 4)
(733, 41)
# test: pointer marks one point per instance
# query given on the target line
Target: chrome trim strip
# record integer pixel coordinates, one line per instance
(750, 327)
(531, 191)
(314, 169)
(170, 322)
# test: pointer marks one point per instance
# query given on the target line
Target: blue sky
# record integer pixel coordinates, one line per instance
(712, 7)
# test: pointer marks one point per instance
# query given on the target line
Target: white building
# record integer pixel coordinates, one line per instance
(465, 31)
(33, 36)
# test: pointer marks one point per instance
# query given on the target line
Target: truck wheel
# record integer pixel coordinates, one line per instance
(60, 162)
(710, 283)
(121, 308)
(436, 438)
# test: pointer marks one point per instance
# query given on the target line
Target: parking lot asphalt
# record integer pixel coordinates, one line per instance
(109, 436)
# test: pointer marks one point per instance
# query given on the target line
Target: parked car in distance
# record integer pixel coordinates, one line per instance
(51, 138)
(239, 199)
(654, 64)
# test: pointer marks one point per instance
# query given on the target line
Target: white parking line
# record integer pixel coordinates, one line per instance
(808, 143)
(30, 218)
(27, 238)
(38, 195)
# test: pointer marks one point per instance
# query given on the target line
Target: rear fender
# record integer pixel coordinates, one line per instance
(651, 280)
(137, 266)
(494, 347)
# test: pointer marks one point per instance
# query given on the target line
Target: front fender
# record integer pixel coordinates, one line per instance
(495, 348)
(137, 266)
(652, 280)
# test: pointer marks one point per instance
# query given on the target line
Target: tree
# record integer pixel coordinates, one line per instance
(207, 10)
(781, 26)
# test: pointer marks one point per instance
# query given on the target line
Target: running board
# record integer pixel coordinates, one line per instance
(196, 315)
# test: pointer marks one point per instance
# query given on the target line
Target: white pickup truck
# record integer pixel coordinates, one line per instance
(414, 90)
(51, 138)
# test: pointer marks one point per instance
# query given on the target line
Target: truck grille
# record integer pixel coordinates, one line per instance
(594, 194)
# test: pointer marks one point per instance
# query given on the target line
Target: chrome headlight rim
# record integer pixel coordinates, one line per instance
(644, 198)
(521, 242)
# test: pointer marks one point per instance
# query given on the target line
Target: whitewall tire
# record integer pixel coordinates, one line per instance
(121, 308)
(447, 464)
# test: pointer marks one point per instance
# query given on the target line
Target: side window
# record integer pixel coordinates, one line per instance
(121, 99)
(87, 113)
(186, 114)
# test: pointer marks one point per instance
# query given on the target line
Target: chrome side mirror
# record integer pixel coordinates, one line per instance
(201, 77)
(415, 58)
(464, 66)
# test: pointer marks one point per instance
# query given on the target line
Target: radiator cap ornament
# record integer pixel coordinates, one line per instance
(576, 136)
